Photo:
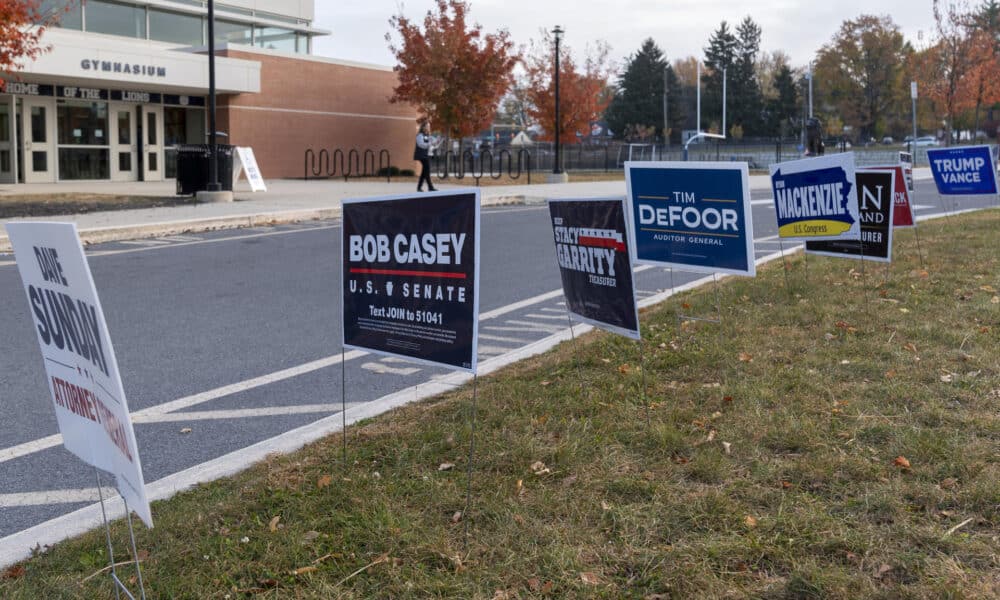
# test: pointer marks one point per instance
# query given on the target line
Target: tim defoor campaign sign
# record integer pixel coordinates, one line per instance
(968, 170)
(80, 365)
(816, 199)
(594, 263)
(411, 276)
(691, 215)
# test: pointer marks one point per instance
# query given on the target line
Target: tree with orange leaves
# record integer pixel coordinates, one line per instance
(583, 94)
(22, 23)
(454, 74)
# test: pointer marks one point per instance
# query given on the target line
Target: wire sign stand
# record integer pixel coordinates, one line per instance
(120, 587)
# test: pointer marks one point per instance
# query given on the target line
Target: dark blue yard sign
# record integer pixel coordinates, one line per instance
(965, 171)
(691, 215)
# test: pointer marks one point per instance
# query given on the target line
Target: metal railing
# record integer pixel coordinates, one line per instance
(483, 163)
(324, 165)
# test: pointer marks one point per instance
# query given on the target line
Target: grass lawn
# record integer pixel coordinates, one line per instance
(835, 439)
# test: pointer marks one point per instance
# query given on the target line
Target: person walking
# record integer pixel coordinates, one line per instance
(422, 153)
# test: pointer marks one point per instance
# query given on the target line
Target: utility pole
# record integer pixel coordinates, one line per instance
(557, 168)
(913, 99)
(698, 87)
(810, 76)
(666, 121)
(724, 69)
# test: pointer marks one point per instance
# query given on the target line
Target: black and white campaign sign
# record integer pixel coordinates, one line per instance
(595, 263)
(80, 364)
(410, 276)
(876, 194)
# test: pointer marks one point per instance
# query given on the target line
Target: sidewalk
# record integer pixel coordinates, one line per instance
(286, 201)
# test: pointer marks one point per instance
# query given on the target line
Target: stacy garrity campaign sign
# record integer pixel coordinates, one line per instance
(875, 188)
(691, 215)
(80, 365)
(816, 199)
(410, 276)
(967, 170)
(594, 263)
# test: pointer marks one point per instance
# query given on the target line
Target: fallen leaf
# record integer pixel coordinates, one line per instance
(267, 583)
(455, 518)
(545, 383)
(727, 398)
(882, 570)
(446, 466)
(904, 311)
(569, 481)
(324, 481)
(14, 572)
(727, 447)
(310, 536)
(535, 584)
(186, 430)
(949, 483)
(995, 300)
(750, 521)
(539, 468)
(605, 505)
(910, 346)
(542, 420)
(947, 378)
(901, 462)
(829, 336)
(745, 357)
(589, 578)
(304, 570)
(988, 288)
(625, 368)
(273, 525)
(547, 588)
(786, 485)
(519, 519)
(685, 306)
(605, 360)
(890, 373)
(711, 435)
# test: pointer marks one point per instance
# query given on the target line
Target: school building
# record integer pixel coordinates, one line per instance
(124, 83)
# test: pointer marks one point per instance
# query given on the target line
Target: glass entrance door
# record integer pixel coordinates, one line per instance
(39, 140)
(124, 143)
(7, 168)
(152, 142)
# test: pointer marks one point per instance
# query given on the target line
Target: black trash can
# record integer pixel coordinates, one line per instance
(193, 170)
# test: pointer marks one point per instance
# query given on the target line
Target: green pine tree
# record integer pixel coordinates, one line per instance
(638, 99)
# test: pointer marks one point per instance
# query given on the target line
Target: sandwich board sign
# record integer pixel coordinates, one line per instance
(693, 216)
(410, 276)
(248, 165)
(80, 364)
(816, 198)
(963, 171)
(876, 190)
(594, 262)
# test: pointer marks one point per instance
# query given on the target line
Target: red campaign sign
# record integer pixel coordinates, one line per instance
(902, 215)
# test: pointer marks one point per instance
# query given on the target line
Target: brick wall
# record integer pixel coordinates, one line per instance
(306, 103)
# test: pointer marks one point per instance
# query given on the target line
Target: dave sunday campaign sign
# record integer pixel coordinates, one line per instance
(594, 263)
(80, 364)
(411, 276)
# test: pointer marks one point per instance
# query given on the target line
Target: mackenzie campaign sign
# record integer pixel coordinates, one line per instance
(593, 257)
(816, 199)
(410, 276)
(968, 170)
(691, 215)
(875, 187)
(80, 365)
(902, 213)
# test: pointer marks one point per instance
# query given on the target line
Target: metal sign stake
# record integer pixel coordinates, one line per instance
(107, 534)
(343, 405)
(472, 449)
(135, 551)
(784, 265)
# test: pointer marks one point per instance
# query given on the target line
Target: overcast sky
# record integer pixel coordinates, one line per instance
(680, 27)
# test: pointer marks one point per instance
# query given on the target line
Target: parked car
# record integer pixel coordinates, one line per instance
(887, 140)
(927, 140)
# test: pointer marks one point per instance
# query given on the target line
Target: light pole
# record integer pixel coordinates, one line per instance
(557, 167)
(213, 161)
(666, 126)
(913, 98)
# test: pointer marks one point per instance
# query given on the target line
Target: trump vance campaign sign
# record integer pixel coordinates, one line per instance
(816, 199)
(691, 215)
(80, 365)
(410, 276)
(875, 187)
(968, 170)
(592, 252)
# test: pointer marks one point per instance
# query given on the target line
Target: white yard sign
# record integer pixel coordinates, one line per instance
(249, 166)
(80, 364)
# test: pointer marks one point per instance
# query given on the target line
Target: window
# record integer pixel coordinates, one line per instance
(233, 32)
(67, 18)
(176, 27)
(116, 19)
(275, 38)
(82, 123)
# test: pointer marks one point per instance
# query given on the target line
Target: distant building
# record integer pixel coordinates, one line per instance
(126, 82)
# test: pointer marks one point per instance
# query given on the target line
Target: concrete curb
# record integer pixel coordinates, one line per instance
(99, 235)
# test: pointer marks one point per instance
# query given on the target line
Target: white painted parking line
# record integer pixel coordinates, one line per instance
(55, 497)
(383, 369)
(493, 350)
(555, 317)
(145, 243)
(500, 338)
(238, 413)
(546, 327)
